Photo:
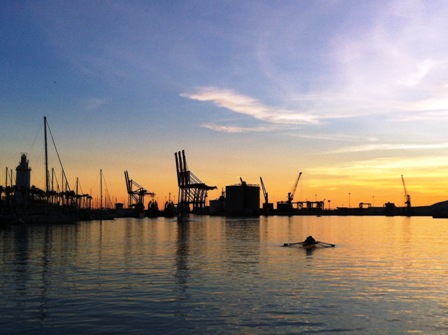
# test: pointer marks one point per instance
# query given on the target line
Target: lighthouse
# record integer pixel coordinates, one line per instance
(23, 180)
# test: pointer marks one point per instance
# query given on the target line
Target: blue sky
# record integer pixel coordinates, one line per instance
(352, 93)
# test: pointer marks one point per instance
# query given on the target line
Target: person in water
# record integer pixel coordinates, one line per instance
(309, 240)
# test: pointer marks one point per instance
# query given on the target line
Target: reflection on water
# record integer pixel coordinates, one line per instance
(386, 275)
(182, 271)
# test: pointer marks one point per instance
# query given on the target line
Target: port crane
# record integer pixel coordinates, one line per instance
(407, 197)
(267, 206)
(136, 196)
(293, 191)
(265, 193)
(192, 191)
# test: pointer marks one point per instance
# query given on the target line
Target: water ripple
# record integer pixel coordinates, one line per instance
(224, 276)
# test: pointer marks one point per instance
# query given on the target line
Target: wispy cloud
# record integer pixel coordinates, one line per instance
(234, 129)
(399, 58)
(387, 168)
(389, 146)
(336, 137)
(242, 104)
(393, 63)
(93, 103)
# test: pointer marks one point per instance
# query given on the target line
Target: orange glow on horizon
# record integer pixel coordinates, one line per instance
(342, 185)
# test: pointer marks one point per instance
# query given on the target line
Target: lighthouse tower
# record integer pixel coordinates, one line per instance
(23, 180)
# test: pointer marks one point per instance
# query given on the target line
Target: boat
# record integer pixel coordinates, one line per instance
(153, 209)
(103, 213)
(49, 217)
(7, 218)
(308, 246)
(170, 208)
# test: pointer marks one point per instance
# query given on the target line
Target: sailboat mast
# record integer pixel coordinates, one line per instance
(101, 189)
(47, 179)
(77, 198)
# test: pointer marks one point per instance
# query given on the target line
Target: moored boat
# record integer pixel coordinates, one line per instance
(7, 218)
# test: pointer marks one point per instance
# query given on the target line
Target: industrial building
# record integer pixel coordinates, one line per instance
(218, 206)
(243, 200)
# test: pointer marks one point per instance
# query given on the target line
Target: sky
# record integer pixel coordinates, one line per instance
(353, 94)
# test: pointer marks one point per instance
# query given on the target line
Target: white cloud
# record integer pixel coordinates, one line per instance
(386, 167)
(234, 129)
(396, 58)
(390, 67)
(388, 146)
(420, 70)
(249, 106)
(335, 137)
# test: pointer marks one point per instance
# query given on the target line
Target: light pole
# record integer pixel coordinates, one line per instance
(348, 199)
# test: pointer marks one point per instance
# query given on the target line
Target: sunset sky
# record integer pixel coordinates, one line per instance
(353, 94)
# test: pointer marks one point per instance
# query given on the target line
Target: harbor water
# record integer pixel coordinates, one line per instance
(217, 275)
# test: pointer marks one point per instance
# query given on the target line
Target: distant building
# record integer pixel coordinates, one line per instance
(218, 206)
(243, 200)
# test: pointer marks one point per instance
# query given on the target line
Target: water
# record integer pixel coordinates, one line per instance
(386, 275)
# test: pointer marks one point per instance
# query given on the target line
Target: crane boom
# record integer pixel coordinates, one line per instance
(291, 194)
(406, 195)
(265, 193)
(136, 196)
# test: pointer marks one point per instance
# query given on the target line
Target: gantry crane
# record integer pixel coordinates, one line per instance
(192, 191)
(293, 191)
(407, 197)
